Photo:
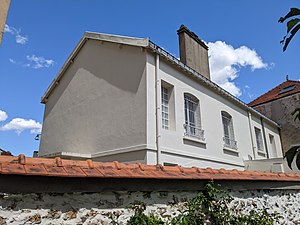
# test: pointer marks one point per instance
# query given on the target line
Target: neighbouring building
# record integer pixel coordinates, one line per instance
(278, 105)
(4, 6)
(126, 99)
(3, 152)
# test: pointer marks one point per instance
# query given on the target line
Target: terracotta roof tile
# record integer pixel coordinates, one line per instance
(58, 167)
(275, 93)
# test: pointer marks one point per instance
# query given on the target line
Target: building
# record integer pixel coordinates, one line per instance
(126, 99)
(3, 152)
(4, 6)
(278, 105)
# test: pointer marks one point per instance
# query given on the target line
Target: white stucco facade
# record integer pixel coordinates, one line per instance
(105, 104)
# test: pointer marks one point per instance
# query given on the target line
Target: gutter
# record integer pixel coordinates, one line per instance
(264, 135)
(206, 81)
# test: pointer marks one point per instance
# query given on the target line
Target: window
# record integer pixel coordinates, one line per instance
(165, 107)
(192, 117)
(287, 89)
(273, 145)
(229, 140)
(259, 140)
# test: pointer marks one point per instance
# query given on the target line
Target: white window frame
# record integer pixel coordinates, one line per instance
(259, 140)
(192, 117)
(228, 131)
(165, 116)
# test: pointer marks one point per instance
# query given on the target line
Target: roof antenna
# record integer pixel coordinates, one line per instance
(287, 77)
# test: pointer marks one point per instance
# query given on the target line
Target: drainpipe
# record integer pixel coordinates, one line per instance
(158, 110)
(264, 134)
(251, 134)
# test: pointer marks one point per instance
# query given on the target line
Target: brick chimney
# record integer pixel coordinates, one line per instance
(193, 51)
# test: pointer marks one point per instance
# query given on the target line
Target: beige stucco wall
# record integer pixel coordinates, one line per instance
(280, 111)
(4, 6)
(99, 104)
(189, 152)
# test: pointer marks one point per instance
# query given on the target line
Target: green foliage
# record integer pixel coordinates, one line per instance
(295, 150)
(211, 206)
(293, 26)
(208, 207)
(139, 218)
(291, 154)
(296, 113)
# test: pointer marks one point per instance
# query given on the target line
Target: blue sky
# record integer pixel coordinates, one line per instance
(243, 36)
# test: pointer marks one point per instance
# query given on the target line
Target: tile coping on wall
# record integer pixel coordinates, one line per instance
(57, 167)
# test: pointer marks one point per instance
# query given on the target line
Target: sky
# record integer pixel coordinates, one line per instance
(243, 38)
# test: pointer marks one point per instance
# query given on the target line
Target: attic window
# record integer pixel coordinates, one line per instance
(287, 89)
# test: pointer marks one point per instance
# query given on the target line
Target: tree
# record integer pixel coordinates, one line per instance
(293, 26)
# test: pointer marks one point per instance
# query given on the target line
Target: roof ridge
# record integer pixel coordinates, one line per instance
(256, 101)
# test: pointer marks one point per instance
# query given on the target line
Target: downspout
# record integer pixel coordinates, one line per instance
(264, 134)
(251, 134)
(158, 111)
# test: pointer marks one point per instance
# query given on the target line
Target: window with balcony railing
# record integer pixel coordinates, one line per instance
(229, 139)
(192, 124)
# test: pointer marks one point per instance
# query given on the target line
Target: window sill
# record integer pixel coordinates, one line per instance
(261, 153)
(194, 140)
(230, 151)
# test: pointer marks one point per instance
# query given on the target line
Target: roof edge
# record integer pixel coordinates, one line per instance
(140, 42)
(144, 42)
(207, 81)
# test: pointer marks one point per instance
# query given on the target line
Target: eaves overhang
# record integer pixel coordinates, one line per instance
(139, 42)
(208, 83)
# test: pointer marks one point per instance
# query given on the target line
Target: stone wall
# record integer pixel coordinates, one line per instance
(104, 207)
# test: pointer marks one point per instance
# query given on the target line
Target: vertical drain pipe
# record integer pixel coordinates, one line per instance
(158, 110)
(251, 134)
(264, 134)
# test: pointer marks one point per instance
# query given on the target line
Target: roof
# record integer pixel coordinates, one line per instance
(57, 167)
(145, 42)
(3, 152)
(284, 89)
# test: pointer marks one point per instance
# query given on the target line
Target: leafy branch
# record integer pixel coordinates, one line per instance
(293, 26)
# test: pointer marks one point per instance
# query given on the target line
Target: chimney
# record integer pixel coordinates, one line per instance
(193, 51)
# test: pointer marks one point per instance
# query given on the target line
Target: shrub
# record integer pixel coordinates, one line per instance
(210, 206)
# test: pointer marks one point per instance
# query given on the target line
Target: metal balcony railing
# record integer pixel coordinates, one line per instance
(229, 143)
(193, 131)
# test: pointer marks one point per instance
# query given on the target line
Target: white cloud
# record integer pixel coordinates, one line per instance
(35, 62)
(226, 62)
(39, 62)
(12, 61)
(17, 33)
(19, 125)
(21, 39)
(3, 115)
(247, 92)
